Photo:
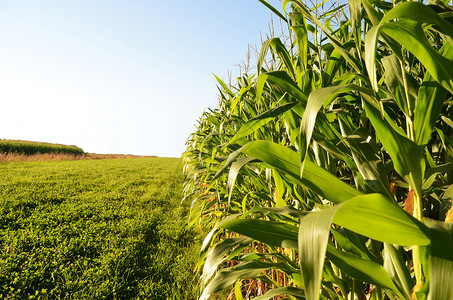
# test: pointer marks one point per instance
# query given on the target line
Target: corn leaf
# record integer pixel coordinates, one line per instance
(234, 170)
(283, 54)
(431, 97)
(274, 10)
(226, 277)
(377, 217)
(316, 100)
(313, 236)
(406, 155)
(288, 85)
(314, 177)
(272, 233)
(287, 290)
(395, 266)
(410, 34)
(441, 260)
(370, 165)
(257, 122)
(218, 254)
(361, 269)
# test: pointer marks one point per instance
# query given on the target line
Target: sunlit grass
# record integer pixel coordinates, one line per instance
(95, 229)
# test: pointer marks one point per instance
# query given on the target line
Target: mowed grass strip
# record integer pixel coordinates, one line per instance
(95, 229)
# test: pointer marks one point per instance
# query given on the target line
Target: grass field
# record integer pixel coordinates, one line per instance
(95, 229)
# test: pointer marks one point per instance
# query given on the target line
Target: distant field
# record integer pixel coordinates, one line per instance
(18, 157)
(95, 229)
(29, 147)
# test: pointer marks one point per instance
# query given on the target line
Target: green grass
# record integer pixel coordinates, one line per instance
(28, 147)
(98, 229)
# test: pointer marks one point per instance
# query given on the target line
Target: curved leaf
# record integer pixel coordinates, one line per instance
(255, 123)
(315, 178)
(271, 233)
(407, 156)
(441, 260)
(287, 290)
(377, 217)
(431, 97)
(409, 34)
(361, 269)
(316, 100)
(314, 232)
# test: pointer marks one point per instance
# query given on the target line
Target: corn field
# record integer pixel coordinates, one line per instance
(30, 148)
(327, 173)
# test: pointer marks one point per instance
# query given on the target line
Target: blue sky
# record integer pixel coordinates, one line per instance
(110, 76)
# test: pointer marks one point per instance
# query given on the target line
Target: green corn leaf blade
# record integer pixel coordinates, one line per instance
(272, 233)
(419, 12)
(395, 82)
(226, 277)
(217, 254)
(281, 210)
(279, 188)
(444, 168)
(447, 121)
(360, 242)
(283, 54)
(377, 217)
(287, 290)
(355, 11)
(446, 142)
(316, 100)
(237, 290)
(370, 165)
(361, 269)
(349, 246)
(263, 53)
(374, 15)
(315, 178)
(411, 35)
(330, 147)
(301, 33)
(335, 42)
(209, 237)
(224, 86)
(333, 64)
(446, 202)
(261, 81)
(257, 122)
(239, 98)
(395, 266)
(287, 84)
(407, 156)
(300, 29)
(234, 171)
(371, 39)
(274, 10)
(314, 232)
(441, 260)
(431, 97)
(231, 159)
(371, 215)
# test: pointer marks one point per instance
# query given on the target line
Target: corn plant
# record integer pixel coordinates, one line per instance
(328, 173)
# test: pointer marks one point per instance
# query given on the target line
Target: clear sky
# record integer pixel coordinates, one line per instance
(128, 77)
